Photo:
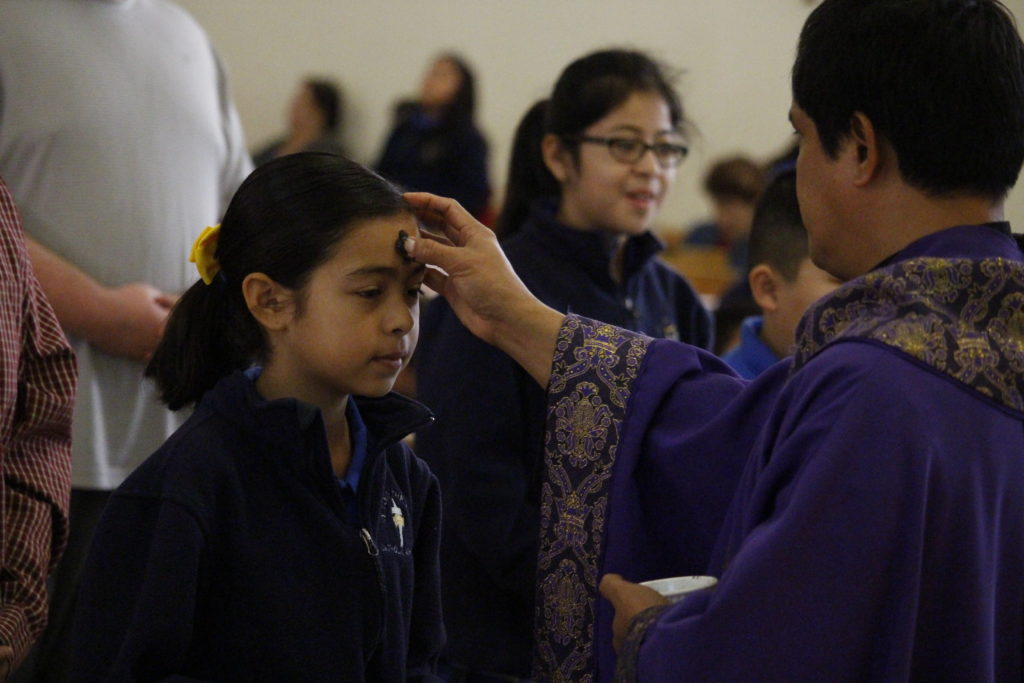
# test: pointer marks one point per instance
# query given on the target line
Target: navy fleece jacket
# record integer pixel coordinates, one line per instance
(227, 554)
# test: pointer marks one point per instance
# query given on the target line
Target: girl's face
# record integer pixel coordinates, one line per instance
(304, 112)
(601, 193)
(440, 84)
(358, 322)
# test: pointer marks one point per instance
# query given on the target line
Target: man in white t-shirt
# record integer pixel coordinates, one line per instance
(120, 142)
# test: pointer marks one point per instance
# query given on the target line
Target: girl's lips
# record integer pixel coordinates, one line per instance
(641, 199)
(393, 361)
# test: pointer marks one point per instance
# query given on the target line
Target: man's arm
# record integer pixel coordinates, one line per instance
(836, 540)
(123, 321)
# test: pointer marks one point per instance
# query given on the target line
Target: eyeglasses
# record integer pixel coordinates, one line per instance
(631, 150)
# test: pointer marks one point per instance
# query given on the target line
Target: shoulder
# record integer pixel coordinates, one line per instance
(172, 12)
(879, 384)
(191, 465)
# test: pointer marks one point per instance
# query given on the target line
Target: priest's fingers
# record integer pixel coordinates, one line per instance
(488, 297)
(628, 600)
(435, 279)
(447, 215)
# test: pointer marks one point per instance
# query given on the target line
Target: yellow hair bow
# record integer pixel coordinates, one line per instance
(203, 253)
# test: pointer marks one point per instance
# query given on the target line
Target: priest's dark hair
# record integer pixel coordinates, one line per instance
(941, 80)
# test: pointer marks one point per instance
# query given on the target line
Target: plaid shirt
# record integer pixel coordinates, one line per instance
(37, 387)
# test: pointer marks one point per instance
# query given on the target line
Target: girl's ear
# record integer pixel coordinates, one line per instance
(269, 302)
(556, 157)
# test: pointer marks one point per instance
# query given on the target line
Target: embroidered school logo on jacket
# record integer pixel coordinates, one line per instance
(395, 532)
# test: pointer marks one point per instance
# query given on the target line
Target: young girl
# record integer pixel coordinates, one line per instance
(285, 532)
(589, 172)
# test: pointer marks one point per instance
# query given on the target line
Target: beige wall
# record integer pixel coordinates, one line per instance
(735, 56)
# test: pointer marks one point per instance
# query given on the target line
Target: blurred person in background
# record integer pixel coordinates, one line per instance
(733, 185)
(434, 144)
(314, 122)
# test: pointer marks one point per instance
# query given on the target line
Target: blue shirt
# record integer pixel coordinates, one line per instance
(350, 482)
(752, 356)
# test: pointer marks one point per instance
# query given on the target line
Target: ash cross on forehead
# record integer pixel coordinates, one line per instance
(400, 245)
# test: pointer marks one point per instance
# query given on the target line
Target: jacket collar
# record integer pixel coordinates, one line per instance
(951, 301)
(287, 423)
(592, 250)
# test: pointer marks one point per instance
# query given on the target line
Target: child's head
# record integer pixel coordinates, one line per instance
(449, 89)
(317, 105)
(605, 110)
(783, 280)
(308, 276)
(734, 184)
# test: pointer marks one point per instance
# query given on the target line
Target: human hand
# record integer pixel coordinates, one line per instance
(481, 286)
(133, 320)
(628, 600)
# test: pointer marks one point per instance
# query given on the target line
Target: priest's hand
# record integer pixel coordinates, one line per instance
(628, 600)
(480, 285)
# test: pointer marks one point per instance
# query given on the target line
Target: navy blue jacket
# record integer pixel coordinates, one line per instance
(452, 163)
(487, 444)
(227, 556)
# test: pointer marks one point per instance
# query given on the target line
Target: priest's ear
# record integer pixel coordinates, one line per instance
(868, 146)
(271, 303)
(764, 286)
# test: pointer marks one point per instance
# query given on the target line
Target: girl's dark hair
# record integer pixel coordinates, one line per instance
(460, 111)
(528, 177)
(586, 91)
(327, 97)
(286, 219)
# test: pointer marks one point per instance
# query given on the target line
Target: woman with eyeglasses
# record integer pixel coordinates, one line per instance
(589, 171)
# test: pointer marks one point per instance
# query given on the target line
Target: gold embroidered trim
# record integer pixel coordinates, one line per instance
(963, 318)
(594, 368)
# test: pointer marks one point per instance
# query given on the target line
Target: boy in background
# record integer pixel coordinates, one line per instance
(783, 280)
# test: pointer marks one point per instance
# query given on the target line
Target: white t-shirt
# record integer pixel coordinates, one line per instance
(120, 142)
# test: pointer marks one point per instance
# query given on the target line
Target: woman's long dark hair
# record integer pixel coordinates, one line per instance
(461, 111)
(286, 219)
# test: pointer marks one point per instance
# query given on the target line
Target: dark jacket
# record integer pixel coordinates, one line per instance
(487, 444)
(227, 556)
(422, 155)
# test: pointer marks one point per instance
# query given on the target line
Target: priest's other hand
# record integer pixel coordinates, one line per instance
(479, 284)
(628, 600)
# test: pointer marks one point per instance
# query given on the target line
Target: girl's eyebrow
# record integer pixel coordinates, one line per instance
(388, 271)
(628, 128)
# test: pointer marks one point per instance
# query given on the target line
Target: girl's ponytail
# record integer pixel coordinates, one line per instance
(206, 338)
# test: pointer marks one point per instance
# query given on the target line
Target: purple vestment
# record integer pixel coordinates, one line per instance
(878, 527)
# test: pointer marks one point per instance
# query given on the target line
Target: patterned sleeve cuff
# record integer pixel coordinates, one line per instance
(626, 670)
(592, 376)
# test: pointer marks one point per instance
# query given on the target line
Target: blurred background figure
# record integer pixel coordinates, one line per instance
(435, 145)
(119, 140)
(314, 122)
(589, 172)
(733, 185)
(783, 280)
